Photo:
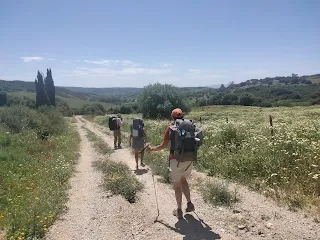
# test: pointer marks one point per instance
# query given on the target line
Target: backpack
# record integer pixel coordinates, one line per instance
(137, 129)
(113, 123)
(185, 140)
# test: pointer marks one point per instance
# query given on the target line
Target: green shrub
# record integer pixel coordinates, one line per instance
(119, 180)
(45, 121)
(230, 137)
(217, 193)
(157, 100)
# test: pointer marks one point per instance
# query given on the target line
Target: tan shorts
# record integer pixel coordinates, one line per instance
(116, 133)
(181, 170)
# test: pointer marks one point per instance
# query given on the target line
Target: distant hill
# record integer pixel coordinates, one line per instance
(270, 91)
(117, 91)
(293, 79)
(22, 86)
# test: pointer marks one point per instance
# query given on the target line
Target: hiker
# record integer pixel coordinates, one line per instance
(138, 138)
(115, 126)
(184, 138)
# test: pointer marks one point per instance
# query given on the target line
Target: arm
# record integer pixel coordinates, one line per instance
(162, 146)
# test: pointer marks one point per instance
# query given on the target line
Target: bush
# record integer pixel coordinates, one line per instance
(230, 137)
(64, 108)
(3, 98)
(93, 109)
(217, 193)
(45, 120)
(229, 99)
(157, 100)
(246, 99)
(125, 109)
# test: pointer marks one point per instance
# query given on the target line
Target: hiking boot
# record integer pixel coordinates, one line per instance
(142, 165)
(178, 213)
(115, 147)
(190, 207)
(119, 147)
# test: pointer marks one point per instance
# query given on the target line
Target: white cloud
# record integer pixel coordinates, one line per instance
(112, 63)
(108, 72)
(167, 65)
(51, 59)
(30, 59)
(194, 70)
(65, 61)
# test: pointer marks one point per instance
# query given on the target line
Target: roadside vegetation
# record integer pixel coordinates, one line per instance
(217, 193)
(117, 176)
(38, 149)
(239, 146)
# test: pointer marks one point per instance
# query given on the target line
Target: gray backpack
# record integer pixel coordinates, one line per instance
(185, 140)
(137, 129)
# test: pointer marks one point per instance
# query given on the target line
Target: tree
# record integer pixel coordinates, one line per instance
(50, 88)
(246, 99)
(41, 93)
(229, 99)
(222, 88)
(158, 100)
(3, 98)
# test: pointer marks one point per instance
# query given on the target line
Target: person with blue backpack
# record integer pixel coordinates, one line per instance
(185, 139)
(138, 139)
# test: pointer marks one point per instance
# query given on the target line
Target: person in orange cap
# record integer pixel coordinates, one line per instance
(178, 171)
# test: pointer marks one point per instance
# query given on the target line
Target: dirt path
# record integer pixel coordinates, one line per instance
(94, 215)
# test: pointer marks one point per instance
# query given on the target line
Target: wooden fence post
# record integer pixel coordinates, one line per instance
(271, 125)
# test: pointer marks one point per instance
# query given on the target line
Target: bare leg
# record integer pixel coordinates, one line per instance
(178, 193)
(136, 156)
(185, 188)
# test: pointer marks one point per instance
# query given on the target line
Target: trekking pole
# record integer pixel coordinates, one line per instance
(155, 193)
(143, 149)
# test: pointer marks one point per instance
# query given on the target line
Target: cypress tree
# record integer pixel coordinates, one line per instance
(50, 88)
(41, 93)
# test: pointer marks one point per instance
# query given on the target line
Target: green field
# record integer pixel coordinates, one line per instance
(314, 78)
(72, 101)
(238, 145)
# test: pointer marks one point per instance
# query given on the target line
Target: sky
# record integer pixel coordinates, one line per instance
(134, 43)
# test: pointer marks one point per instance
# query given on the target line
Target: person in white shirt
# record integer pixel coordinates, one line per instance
(117, 133)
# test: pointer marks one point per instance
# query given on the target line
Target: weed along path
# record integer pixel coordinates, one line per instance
(94, 213)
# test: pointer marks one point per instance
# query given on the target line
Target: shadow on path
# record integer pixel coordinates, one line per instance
(193, 229)
(140, 171)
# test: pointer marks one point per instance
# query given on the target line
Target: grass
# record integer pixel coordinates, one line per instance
(33, 180)
(217, 193)
(118, 179)
(98, 143)
(315, 78)
(285, 167)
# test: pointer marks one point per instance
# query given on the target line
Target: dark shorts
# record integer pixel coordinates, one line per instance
(137, 142)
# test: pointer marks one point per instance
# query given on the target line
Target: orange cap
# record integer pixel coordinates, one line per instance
(177, 113)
